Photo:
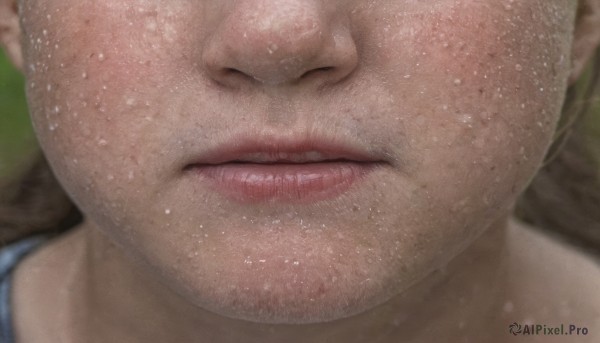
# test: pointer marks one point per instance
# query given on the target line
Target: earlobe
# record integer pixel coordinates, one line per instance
(587, 37)
(10, 32)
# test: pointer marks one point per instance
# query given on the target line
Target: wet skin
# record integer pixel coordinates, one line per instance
(461, 127)
(456, 101)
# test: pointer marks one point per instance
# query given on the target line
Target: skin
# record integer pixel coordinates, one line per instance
(461, 99)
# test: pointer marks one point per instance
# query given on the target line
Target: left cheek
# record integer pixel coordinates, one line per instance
(489, 107)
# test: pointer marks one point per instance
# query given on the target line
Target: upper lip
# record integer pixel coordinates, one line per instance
(269, 149)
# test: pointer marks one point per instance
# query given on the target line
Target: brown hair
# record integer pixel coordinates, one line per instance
(564, 197)
(32, 201)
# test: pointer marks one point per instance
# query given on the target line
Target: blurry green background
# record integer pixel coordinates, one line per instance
(16, 136)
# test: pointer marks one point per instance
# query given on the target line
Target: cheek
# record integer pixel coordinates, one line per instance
(97, 74)
(476, 79)
(476, 92)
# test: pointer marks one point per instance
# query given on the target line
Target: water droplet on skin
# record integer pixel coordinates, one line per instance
(519, 67)
(457, 82)
(272, 48)
(167, 211)
(466, 119)
(49, 87)
(101, 57)
(508, 307)
(110, 177)
(102, 142)
(130, 101)
(84, 75)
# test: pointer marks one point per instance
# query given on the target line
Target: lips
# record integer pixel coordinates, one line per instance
(267, 168)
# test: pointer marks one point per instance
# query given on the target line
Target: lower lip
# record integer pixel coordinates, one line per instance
(249, 182)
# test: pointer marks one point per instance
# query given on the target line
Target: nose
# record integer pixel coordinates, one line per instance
(276, 42)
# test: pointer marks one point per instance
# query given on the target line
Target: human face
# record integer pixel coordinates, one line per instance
(449, 105)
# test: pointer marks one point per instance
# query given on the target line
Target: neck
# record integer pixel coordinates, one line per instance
(128, 304)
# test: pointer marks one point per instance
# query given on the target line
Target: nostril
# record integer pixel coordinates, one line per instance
(232, 76)
(317, 70)
(231, 71)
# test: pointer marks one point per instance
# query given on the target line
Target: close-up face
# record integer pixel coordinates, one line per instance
(295, 161)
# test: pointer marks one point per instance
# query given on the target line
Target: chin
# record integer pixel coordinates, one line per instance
(296, 308)
(300, 294)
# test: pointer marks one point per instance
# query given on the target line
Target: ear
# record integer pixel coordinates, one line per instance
(587, 37)
(10, 32)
